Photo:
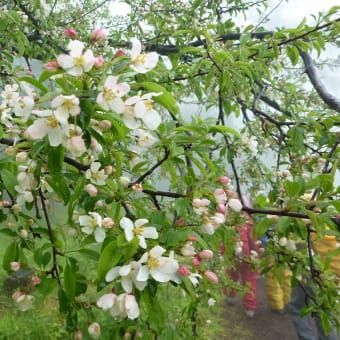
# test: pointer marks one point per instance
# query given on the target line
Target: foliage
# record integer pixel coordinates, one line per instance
(102, 135)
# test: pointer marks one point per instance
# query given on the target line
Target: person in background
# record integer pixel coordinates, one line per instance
(302, 293)
(243, 272)
(277, 284)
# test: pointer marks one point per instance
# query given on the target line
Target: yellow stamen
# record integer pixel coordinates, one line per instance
(138, 231)
(52, 122)
(153, 263)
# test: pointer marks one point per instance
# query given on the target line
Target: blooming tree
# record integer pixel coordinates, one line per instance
(149, 191)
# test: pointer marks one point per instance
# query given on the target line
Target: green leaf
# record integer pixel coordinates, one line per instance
(34, 82)
(46, 75)
(60, 186)
(261, 227)
(293, 54)
(109, 258)
(292, 188)
(11, 254)
(69, 282)
(10, 181)
(89, 253)
(165, 99)
(224, 130)
(55, 159)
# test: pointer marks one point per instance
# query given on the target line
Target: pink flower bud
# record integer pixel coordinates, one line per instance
(52, 66)
(205, 254)
(99, 61)
(222, 248)
(137, 187)
(211, 276)
(105, 124)
(98, 34)
(16, 295)
(183, 271)
(76, 145)
(91, 190)
(108, 222)
(180, 222)
(192, 238)
(36, 280)
(120, 53)
(70, 33)
(224, 180)
(108, 169)
(15, 266)
(196, 262)
(221, 208)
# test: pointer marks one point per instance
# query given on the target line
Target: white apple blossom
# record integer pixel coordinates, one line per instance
(161, 268)
(52, 125)
(110, 98)
(95, 175)
(92, 224)
(25, 302)
(125, 305)
(251, 144)
(76, 62)
(137, 229)
(75, 145)
(142, 62)
(200, 206)
(106, 301)
(188, 249)
(141, 108)
(65, 106)
(94, 330)
(235, 204)
(10, 94)
(23, 107)
(24, 195)
(128, 275)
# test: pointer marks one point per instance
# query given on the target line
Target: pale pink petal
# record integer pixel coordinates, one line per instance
(112, 274)
(151, 120)
(65, 61)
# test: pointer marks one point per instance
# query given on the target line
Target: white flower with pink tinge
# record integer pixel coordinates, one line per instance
(124, 305)
(53, 125)
(139, 109)
(76, 62)
(95, 175)
(128, 274)
(142, 62)
(110, 98)
(137, 229)
(161, 268)
(65, 106)
(200, 206)
(92, 224)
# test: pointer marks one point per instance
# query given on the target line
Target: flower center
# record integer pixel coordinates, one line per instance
(140, 60)
(68, 104)
(108, 94)
(138, 231)
(153, 263)
(148, 105)
(52, 122)
(79, 61)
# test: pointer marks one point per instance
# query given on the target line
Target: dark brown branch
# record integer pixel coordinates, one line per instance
(331, 101)
(152, 169)
(275, 212)
(163, 193)
(55, 252)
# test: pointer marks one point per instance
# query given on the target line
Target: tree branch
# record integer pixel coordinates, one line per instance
(331, 101)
